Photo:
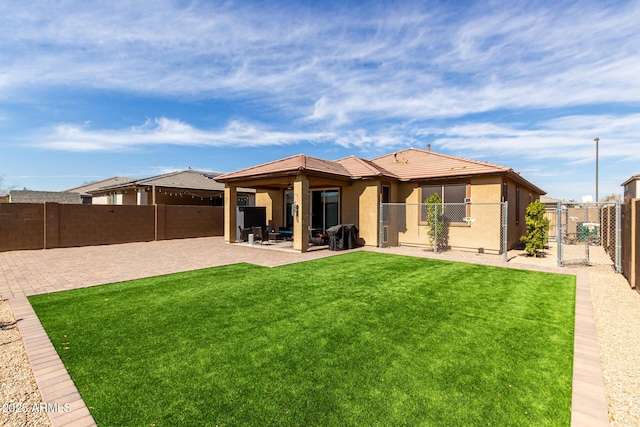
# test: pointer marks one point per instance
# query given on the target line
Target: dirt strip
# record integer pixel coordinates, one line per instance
(19, 395)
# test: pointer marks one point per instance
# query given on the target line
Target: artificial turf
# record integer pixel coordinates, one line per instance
(357, 339)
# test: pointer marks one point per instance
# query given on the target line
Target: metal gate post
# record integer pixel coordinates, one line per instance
(559, 228)
(380, 225)
(618, 237)
(586, 238)
(435, 228)
(505, 236)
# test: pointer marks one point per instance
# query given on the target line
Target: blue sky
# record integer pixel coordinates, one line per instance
(90, 90)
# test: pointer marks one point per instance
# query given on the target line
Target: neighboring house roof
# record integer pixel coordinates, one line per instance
(85, 188)
(633, 178)
(550, 200)
(186, 179)
(405, 165)
(29, 196)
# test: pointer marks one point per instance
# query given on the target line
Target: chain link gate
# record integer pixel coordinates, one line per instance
(589, 234)
(441, 227)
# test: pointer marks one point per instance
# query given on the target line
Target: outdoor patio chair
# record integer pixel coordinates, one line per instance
(244, 233)
(257, 234)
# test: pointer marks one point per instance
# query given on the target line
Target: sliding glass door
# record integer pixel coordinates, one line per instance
(325, 209)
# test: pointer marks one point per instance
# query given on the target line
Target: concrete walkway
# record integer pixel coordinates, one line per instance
(25, 273)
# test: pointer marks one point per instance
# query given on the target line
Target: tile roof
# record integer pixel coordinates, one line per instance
(411, 164)
(85, 188)
(290, 166)
(361, 168)
(185, 179)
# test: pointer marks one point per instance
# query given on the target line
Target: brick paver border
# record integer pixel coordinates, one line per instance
(589, 405)
(65, 407)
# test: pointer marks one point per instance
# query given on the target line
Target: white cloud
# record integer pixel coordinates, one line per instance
(332, 66)
(570, 138)
(164, 131)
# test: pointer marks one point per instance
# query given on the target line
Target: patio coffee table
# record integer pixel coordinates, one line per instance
(274, 236)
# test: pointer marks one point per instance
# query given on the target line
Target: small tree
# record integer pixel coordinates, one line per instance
(537, 228)
(434, 217)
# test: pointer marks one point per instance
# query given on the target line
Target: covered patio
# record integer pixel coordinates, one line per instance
(300, 194)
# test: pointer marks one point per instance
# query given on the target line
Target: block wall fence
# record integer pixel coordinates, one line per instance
(54, 225)
(631, 242)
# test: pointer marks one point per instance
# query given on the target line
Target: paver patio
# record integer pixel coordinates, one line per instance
(25, 273)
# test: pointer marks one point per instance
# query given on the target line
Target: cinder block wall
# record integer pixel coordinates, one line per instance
(21, 226)
(88, 225)
(53, 225)
(192, 221)
(636, 251)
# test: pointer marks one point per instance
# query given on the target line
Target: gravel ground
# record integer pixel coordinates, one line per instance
(18, 391)
(617, 313)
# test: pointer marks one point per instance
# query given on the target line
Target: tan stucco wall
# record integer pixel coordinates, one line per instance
(361, 206)
(100, 200)
(482, 235)
(516, 215)
(273, 201)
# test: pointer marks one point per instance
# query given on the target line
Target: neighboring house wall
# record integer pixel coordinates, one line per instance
(101, 200)
(169, 198)
(29, 196)
(631, 190)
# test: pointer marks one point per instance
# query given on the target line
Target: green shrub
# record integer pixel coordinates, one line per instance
(537, 228)
(434, 217)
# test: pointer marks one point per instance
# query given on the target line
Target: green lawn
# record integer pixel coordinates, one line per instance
(355, 339)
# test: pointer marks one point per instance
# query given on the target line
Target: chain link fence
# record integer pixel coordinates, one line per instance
(441, 227)
(589, 234)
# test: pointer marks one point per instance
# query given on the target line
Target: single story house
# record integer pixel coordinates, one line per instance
(631, 188)
(302, 192)
(84, 189)
(186, 187)
(30, 196)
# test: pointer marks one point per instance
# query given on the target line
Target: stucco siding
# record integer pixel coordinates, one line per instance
(273, 201)
(482, 235)
(361, 206)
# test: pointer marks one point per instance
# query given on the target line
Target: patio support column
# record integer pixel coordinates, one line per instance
(301, 217)
(230, 203)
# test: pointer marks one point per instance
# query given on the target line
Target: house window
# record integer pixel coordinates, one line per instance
(385, 197)
(242, 201)
(449, 193)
